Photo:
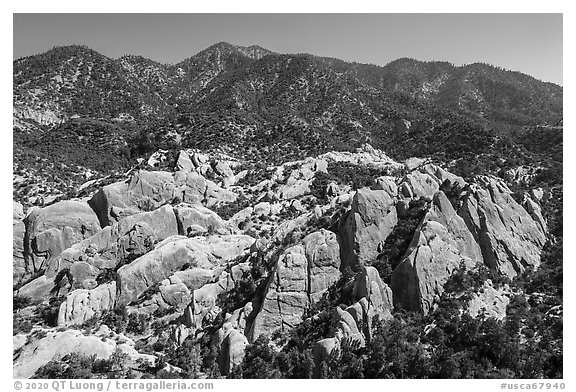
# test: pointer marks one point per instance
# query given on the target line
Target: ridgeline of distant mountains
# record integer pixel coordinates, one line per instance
(262, 105)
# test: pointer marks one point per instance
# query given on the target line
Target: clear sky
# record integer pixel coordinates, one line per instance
(529, 43)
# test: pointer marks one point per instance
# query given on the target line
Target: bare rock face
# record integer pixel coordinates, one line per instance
(302, 274)
(184, 163)
(18, 232)
(174, 253)
(440, 175)
(203, 305)
(535, 212)
(144, 191)
(367, 225)
(232, 350)
(52, 229)
(197, 218)
(378, 295)
(55, 346)
(129, 238)
(509, 238)
(441, 243)
(147, 191)
(490, 301)
(81, 305)
(418, 184)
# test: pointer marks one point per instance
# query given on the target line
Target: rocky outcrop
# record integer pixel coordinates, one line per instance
(417, 184)
(197, 219)
(147, 191)
(373, 299)
(535, 212)
(18, 232)
(378, 295)
(367, 225)
(52, 229)
(440, 175)
(203, 306)
(172, 255)
(123, 241)
(232, 349)
(81, 305)
(302, 273)
(57, 344)
(509, 238)
(440, 244)
(490, 301)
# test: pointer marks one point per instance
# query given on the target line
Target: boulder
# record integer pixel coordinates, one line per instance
(378, 295)
(440, 175)
(535, 212)
(490, 301)
(123, 241)
(190, 217)
(388, 184)
(366, 227)
(81, 305)
(147, 191)
(38, 290)
(302, 274)
(203, 305)
(293, 189)
(418, 184)
(174, 253)
(215, 194)
(509, 238)
(52, 229)
(55, 346)
(184, 163)
(262, 209)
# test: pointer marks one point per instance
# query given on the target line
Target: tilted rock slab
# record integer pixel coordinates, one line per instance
(302, 274)
(81, 305)
(370, 220)
(171, 255)
(147, 191)
(440, 244)
(18, 232)
(129, 237)
(52, 229)
(509, 238)
(55, 346)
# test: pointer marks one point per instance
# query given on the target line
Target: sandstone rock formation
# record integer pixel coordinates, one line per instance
(52, 229)
(18, 232)
(441, 243)
(174, 253)
(129, 238)
(147, 191)
(303, 272)
(490, 300)
(81, 305)
(370, 220)
(509, 238)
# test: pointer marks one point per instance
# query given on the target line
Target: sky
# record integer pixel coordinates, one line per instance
(529, 43)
